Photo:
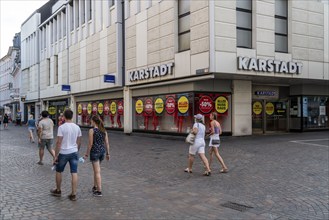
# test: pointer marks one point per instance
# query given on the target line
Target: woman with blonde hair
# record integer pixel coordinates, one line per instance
(31, 127)
(98, 141)
(214, 142)
(198, 146)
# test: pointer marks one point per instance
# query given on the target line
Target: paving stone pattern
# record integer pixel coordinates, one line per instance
(144, 179)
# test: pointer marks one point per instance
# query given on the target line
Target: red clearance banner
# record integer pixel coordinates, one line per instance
(95, 108)
(148, 106)
(120, 107)
(106, 108)
(170, 104)
(206, 104)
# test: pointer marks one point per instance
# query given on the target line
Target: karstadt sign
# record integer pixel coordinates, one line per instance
(277, 66)
(151, 72)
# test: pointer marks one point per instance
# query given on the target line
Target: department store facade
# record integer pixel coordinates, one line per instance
(149, 66)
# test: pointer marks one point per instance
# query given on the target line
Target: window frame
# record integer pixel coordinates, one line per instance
(243, 28)
(280, 34)
(180, 34)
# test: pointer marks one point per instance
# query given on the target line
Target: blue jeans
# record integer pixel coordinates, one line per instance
(96, 157)
(73, 160)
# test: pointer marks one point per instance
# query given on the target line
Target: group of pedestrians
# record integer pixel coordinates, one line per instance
(199, 130)
(68, 144)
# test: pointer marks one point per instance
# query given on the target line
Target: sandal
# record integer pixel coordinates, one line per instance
(207, 173)
(187, 170)
(223, 171)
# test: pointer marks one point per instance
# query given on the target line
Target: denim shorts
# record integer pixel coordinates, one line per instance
(72, 158)
(96, 157)
(46, 142)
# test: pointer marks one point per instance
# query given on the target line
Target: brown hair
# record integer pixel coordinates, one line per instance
(99, 123)
(214, 114)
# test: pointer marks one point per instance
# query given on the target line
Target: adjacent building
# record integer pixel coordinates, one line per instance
(149, 66)
(10, 80)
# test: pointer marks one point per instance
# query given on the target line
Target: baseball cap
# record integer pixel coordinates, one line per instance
(198, 116)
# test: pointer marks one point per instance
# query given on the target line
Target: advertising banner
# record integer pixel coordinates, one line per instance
(79, 109)
(170, 105)
(120, 107)
(113, 108)
(148, 107)
(205, 104)
(139, 106)
(159, 106)
(183, 105)
(100, 108)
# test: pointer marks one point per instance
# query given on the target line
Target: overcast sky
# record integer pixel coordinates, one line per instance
(12, 14)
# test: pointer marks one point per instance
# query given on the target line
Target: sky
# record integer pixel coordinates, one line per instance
(12, 14)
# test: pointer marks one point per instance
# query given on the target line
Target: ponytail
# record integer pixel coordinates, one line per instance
(99, 123)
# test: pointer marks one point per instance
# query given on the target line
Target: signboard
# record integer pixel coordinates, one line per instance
(151, 72)
(139, 106)
(148, 106)
(66, 88)
(100, 108)
(261, 65)
(257, 108)
(221, 104)
(120, 107)
(206, 104)
(79, 109)
(170, 105)
(183, 105)
(269, 108)
(106, 108)
(89, 108)
(113, 108)
(109, 78)
(159, 105)
(52, 110)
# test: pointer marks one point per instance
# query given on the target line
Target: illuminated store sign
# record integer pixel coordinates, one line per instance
(277, 66)
(151, 72)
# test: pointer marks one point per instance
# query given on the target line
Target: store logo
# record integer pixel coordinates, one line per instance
(265, 93)
(151, 72)
(205, 104)
(277, 66)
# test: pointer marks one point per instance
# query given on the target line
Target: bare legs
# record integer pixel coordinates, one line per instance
(212, 151)
(74, 182)
(31, 136)
(97, 176)
(202, 157)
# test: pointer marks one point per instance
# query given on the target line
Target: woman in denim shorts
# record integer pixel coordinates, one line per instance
(98, 140)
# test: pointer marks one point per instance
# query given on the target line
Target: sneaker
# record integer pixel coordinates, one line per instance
(94, 189)
(72, 197)
(55, 192)
(97, 193)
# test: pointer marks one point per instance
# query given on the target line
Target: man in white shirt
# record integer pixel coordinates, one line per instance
(67, 147)
(46, 136)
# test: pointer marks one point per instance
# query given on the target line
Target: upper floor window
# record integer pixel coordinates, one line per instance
(83, 11)
(184, 25)
(89, 8)
(244, 23)
(111, 3)
(281, 26)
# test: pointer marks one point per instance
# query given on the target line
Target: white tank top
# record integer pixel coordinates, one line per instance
(201, 130)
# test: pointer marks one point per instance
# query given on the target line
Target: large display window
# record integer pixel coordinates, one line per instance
(110, 111)
(309, 112)
(173, 113)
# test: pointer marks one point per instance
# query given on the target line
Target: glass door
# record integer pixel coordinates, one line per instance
(257, 116)
(276, 115)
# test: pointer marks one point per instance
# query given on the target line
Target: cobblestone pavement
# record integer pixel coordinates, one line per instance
(282, 176)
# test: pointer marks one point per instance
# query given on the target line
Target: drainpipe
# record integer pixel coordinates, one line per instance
(38, 63)
(123, 68)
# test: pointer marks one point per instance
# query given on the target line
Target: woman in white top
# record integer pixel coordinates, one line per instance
(199, 145)
(214, 142)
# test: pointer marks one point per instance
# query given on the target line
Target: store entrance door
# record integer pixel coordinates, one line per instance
(269, 116)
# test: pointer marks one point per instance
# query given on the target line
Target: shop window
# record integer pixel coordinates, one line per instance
(173, 113)
(110, 111)
(281, 26)
(244, 23)
(183, 25)
(315, 112)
